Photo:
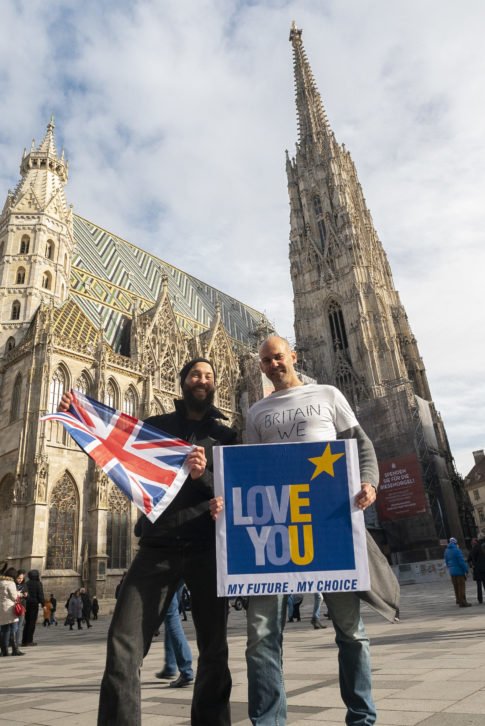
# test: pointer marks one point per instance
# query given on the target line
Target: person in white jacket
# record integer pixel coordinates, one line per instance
(8, 598)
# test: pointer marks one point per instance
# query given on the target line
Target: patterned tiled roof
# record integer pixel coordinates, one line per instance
(110, 276)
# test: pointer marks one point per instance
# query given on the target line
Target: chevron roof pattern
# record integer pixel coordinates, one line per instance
(111, 277)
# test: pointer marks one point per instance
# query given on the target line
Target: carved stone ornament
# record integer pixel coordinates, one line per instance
(40, 481)
(20, 490)
(102, 486)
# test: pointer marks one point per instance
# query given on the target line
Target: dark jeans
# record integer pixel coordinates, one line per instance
(31, 613)
(143, 600)
(480, 579)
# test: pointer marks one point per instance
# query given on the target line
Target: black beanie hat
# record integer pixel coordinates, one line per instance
(185, 370)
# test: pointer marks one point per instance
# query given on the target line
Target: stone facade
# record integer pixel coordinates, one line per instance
(81, 308)
(351, 328)
(475, 486)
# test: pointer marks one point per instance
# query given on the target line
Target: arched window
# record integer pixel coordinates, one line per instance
(337, 327)
(58, 385)
(118, 528)
(15, 311)
(49, 249)
(130, 402)
(317, 207)
(6, 499)
(65, 261)
(10, 345)
(24, 244)
(111, 395)
(46, 280)
(20, 278)
(15, 402)
(62, 530)
(83, 383)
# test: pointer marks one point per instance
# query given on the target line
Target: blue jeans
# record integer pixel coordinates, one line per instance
(178, 655)
(317, 603)
(266, 616)
(266, 697)
(353, 658)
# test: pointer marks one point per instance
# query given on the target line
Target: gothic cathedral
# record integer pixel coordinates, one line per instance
(82, 308)
(352, 331)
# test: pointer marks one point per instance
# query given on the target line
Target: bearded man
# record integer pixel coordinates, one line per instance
(179, 546)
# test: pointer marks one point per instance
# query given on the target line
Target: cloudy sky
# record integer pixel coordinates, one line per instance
(175, 115)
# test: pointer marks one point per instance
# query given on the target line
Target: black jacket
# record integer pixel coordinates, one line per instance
(35, 591)
(187, 520)
(478, 558)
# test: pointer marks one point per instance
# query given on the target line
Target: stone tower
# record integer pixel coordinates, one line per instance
(352, 330)
(36, 239)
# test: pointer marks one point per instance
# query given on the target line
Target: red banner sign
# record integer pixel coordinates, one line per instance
(401, 491)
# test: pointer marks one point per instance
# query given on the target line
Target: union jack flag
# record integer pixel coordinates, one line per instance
(148, 465)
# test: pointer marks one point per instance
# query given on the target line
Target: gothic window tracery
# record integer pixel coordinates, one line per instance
(118, 528)
(322, 232)
(49, 249)
(10, 344)
(224, 396)
(130, 402)
(168, 373)
(83, 383)
(20, 278)
(337, 327)
(59, 383)
(15, 314)
(62, 529)
(16, 395)
(46, 280)
(111, 395)
(24, 244)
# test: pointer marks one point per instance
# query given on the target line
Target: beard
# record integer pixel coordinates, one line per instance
(198, 404)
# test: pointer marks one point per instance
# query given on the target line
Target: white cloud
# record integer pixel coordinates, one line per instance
(175, 117)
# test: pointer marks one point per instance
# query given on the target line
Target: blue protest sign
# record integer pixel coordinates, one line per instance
(289, 523)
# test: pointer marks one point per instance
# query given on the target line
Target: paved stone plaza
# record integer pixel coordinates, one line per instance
(428, 670)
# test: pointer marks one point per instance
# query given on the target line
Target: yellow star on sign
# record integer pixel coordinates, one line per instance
(325, 462)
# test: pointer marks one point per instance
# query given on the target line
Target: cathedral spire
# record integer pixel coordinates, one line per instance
(45, 156)
(48, 145)
(313, 126)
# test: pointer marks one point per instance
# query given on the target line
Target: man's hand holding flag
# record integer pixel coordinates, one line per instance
(148, 465)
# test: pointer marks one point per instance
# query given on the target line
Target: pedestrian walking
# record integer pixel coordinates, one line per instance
(95, 607)
(317, 604)
(21, 585)
(75, 610)
(8, 617)
(86, 600)
(458, 569)
(178, 655)
(478, 563)
(47, 613)
(53, 610)
(35, 599)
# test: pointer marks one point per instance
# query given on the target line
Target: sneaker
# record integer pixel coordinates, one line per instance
(181, 682)
(164, 675)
